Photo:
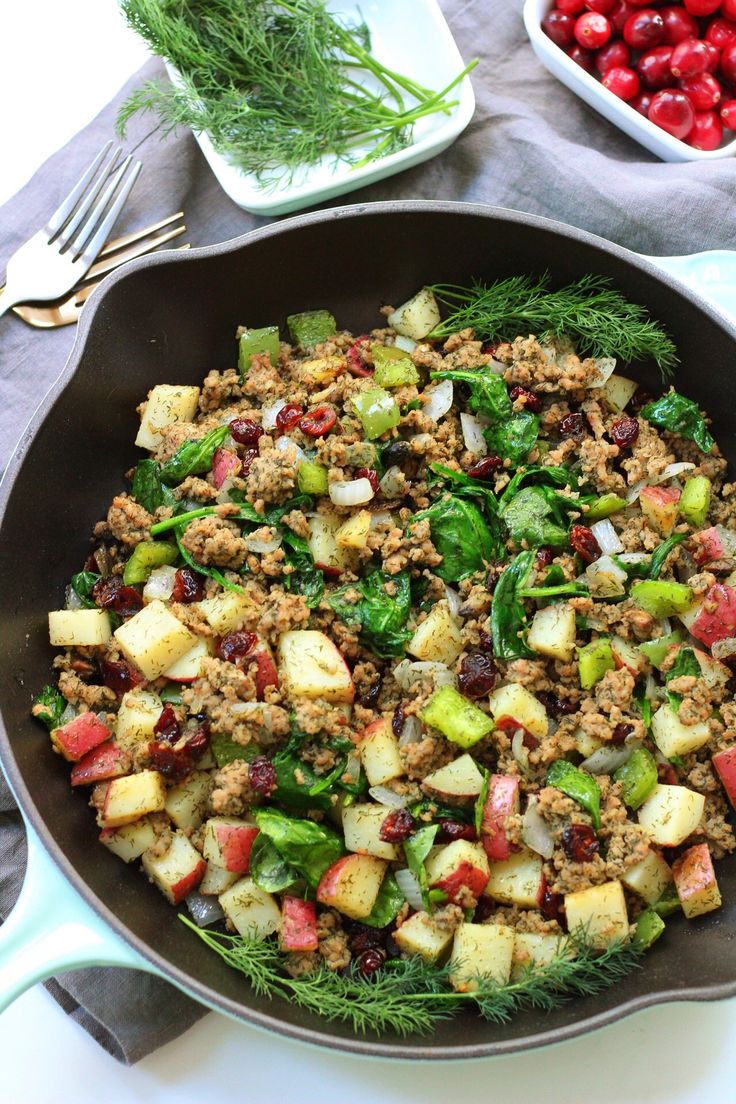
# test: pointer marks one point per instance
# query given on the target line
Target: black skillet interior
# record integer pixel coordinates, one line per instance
(171, 320)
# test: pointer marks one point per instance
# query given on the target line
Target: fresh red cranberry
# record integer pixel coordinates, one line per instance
(622, 82)
(625, 432)
(371, 475)
(560, 27)
(619, 13)
(714, 58)
(288, 416)
(584, 58)
(484, 468)
(532, 402)
(397, 826)
(689, 58)
(728, 61)
(318, 422)
(612, 56)
(572, 426)
(728, 114)
(369, 963)
(111, 594)
(570, 7)
(477, 675)
(644, 29)
(245, 432)
(451, 830)
(678, 24)
(580, 843)
(602, 6)
(167, 728)
(584, 543)
(703, 91)
(188, 586)
(176, 760)
(702, 7)
(120, 675)
(620, 732)
(544, 557)
(641, 103)
(720, 32)
(728, 9)
(673, 112)
(397, 721)
(707, 134)
(653, 67)
(262, 775)
(592, 30)
(356, 364)
(236, 645)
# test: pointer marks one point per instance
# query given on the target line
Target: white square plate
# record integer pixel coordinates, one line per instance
(591, 90)
(410, 36)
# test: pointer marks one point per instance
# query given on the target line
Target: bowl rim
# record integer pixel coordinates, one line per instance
(357, 1045)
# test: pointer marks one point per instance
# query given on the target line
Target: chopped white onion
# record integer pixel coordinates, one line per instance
(160, 584)
(72, 601)
(352, 765)
(635, 490)
(381, 517)
(604, 368)
(519, 751)
(384, 796)
(255, 713)
(68, 715)
(472, 427)
(722, 649)
(437, 400)
(454, 601)
(607, 537)
(420, 441)
(283, 444)
(270, 412)
(495, 367)
(204, 910)
(607, 759)
(408, 344)
(351, 492)
(605, 578)
(262, 545)
(393, 482)
(409, 886)
(536, 832)
(651, 689)
(634, 557)
(411, 733)
(407, 673)
(666, 626)
(223, 495)
(670, 472)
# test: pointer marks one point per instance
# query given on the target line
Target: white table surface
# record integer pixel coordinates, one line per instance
(681, 1054)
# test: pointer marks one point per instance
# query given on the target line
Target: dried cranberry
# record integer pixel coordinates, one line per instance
(362, 938)
(572, 426)
(318, 422)
(641, 398)
(397, 721)
(580, 843)
(584, 543)
(176, 760)
(371, 475)
(484, 469)
(167, 727)
(666, 774)
(188, 586)
(120, 675)
(532, 402)
(451, 830)
(477, 675)
(245, 432)
(556, 706)
(565, 706)
(111, 594)
(262, 775)
(550, 904)
(368, 697)
(246, 460)
(544, 557)
(356, 364)
(625, 433)
(485, 641)
(620, 732)
(397, 826)
(484, 910)
(369, 962)
(236, 645)
(288, 416)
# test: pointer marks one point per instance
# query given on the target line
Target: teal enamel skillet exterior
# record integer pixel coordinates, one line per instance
(163, 319)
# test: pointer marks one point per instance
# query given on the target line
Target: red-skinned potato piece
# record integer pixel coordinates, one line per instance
(99, 764)
(225, 463)
(695, 881)
(725, 764)
(716, 619)
(79, 736)
(298, 925)
(351, 884)
(458, 867)
(228, 843)
(266, 673)
(501, 803)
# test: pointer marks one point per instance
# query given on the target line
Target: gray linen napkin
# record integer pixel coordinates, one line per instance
(531, 145)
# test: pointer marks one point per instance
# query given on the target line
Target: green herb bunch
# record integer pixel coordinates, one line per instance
(276, 86)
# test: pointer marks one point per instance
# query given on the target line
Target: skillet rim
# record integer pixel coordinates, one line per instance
(397, 1049)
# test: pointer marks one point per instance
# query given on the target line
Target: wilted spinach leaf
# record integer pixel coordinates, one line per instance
(308, 847)
(387, 903)
(579, 785)
(460, 535)
(268, 869)
(416, 849)
(82, 584)
(686, 663)
(305, 579)
(48, 707)
(680, 415)
(508, 617)
(381, 616)
(226, 750)
(193, 457)
(511, 435)
(528, 517)
(148, 489)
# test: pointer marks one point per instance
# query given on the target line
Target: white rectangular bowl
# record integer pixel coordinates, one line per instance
(409, 36)
(591, 90)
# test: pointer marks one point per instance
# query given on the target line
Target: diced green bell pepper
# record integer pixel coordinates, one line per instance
(253, 342)
(311, 477)
(377, 410)
(393, 367)
(578, 785)
(656, 650)
(457, 718)
(695, 500)
(593, 662)
(649, 927)
(309, 328)
(604, 506)
(638, 777)
(668, 903)
(145, 557)
(661, 598)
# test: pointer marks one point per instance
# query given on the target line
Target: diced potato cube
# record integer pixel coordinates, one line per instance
(600, 911)
(186, 804)
(672, 737)
(517, 881)
(354, 532)
(535, 950)
(671, 813)
(418, 316)
(695, 880)
(422, 935)
(227, 611)
(129, 841)
(438, 638)
(153, 639)
(649, 878)
(253, 913)
(553, 632)
(379, 753)
(312, 667)
(137, 716)
(131, 797)
(361, 825)
(80, 628)
(481, 951)
(166, 404)
(177, 871)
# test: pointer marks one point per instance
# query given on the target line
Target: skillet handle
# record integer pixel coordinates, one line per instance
(52, 929)
(712, 275)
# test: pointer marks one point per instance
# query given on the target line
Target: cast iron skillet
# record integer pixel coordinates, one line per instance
(169, 319)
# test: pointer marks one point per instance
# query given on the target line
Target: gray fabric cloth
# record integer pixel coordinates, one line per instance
(532, 145)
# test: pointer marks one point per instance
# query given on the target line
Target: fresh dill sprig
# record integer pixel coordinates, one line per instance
(276, 84)
(410, 997)
(600, 321)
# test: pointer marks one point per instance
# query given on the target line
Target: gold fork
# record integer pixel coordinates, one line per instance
(67, 311)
